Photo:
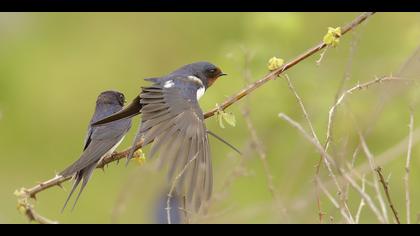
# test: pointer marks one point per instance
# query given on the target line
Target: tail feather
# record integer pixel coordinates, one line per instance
(84, 176)
(76, 183)
(87, 173)
(78, 195)
(69, 171)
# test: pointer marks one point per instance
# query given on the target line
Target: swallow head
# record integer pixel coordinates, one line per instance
(111, 97)
(205, 71)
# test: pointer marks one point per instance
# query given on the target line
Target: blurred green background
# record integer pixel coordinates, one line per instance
(53, 66)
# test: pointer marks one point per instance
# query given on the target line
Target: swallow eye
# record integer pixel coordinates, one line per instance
(212, 71)
(122, 99)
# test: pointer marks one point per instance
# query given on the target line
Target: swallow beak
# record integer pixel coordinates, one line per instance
(222, 74)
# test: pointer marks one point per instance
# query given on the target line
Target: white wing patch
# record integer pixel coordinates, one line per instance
(169, 84)
(200, 92)
(202, 89)
(196, 80)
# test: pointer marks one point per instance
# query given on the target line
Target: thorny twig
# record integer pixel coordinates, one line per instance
(362, 202)
(274, 74)
(254, 135)
(346, 77)
(28, 210)
(24, 195)
(407, 169)
(373, 166)
(344, 211)
(385, 157)
(327, 156)
(168, 202)
(321, 56)
(388, 196)
(344, 207)
(350, 91)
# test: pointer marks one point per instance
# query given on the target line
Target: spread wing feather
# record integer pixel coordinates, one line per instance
(173, 122)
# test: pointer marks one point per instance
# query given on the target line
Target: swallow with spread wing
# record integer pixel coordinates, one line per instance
(173, 122)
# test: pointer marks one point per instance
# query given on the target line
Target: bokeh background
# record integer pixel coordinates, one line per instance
(53, 66)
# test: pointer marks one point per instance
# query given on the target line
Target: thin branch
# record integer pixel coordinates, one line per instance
(254, 135)
(392, 153)
(168, 201)
(302, 106)
(345, 175)
(56, 181)
(350, 91)
(342, 84)
(120, 155)
(373, 166)
(32, 215)
(315, 137)
(24, 195)
(398, 149)
(349, 65)
(350, 165)
(321, 56)
(261, 152)
(343, 211)
(407, 169)
(343, 81)
(26, 208)
(365, 197)
(362, 201)
(274, 74)
(388, 195)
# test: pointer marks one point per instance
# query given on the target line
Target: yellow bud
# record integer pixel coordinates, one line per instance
(17, 193)
(140, 157)
(275, 63)
(332, 37)
(335, 31)
(21, 208)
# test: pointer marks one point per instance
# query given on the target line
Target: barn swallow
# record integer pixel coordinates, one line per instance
(100, 141)
(173, 122)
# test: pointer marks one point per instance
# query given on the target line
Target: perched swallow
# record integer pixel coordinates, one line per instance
(173, 121)
(100, 141)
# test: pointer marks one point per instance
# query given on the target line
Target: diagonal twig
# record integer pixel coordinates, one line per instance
(272, 75)
(407, 169)
(388, 195)
(328, 157)
(344, 209)
(373, 166)
(173, 186)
